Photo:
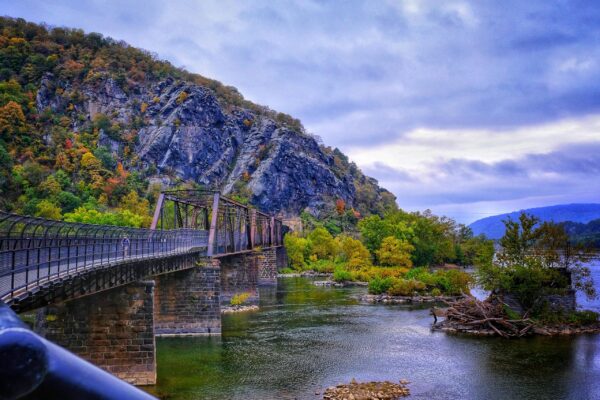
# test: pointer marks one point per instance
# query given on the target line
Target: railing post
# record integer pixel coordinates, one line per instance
(213, 225)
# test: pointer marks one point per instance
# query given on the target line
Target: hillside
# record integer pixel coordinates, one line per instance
(588, 234)
(493, 227)
(87, 121)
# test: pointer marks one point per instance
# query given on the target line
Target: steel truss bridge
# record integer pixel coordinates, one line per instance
(43, 261)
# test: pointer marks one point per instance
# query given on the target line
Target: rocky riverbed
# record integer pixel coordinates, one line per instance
(238, 308)
(305, 274)
(330, 283)
(385, 390)
(388, 299)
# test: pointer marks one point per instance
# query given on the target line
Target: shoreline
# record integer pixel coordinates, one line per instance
(535, 331)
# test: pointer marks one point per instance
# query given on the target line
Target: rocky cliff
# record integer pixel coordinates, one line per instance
(174, 127)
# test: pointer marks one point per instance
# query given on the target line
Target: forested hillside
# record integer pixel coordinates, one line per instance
(92, 128)
(493, 227)
(588, 234)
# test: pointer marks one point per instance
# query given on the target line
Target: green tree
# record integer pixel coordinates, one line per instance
(298, 250)
(47, 209)
(533, 262)
(395, 253)
(322, 243)
(353, 252)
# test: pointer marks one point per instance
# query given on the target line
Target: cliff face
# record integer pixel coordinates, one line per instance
(188, 135)
(92, 94)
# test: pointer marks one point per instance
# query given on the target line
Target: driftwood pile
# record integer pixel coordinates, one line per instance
(486, 317)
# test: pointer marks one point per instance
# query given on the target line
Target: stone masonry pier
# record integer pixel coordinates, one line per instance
(187, 302)
(113, 330)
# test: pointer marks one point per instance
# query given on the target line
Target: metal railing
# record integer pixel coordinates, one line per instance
(36, 250)
(35, 368)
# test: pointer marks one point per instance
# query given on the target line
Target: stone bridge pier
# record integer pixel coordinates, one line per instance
(115, 329)
(243, 273)
(187, 303)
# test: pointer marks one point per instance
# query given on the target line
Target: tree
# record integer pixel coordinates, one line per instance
(353, 252)
(50, 187)
(297, 248)
(46, 209)
(322, 243)
(132, 202)
(13, 126)
(395, 253)
(340, 206)
(535, 261)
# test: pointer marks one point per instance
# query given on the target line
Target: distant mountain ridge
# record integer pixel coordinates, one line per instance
(493, 227)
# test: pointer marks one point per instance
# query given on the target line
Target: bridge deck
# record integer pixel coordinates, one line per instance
(36, 251)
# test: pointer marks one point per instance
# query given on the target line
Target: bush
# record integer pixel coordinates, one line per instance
(380, 285)
(449, 282)
(239, 299)
(323, 266)
(368, 273)
(406, 287)
(342, 275)
(436, 292)
(583, 318)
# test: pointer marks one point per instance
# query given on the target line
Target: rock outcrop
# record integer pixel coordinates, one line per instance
(183, 133)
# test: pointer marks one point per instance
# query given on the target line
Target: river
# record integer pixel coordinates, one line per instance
(305, 338)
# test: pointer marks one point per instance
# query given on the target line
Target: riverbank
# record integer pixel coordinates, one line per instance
(553, 330)
(492, 317)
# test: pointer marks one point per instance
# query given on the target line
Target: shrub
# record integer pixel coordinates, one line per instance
(239, 298)
(368, 273)
(323, 266)
(582, 318)
(450, 282)
(342, 275)
(436, 292)
(406, 287)
(380, 285)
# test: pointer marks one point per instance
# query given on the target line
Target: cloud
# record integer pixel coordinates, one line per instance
(469, 189)
(435, 92)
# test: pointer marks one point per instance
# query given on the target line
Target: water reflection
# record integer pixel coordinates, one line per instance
(306, 338)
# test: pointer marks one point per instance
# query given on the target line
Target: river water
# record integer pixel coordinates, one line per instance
(305, 338)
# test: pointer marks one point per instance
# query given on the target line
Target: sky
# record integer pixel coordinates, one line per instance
(466, 108)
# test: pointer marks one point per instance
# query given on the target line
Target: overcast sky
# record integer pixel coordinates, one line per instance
(469, 108)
